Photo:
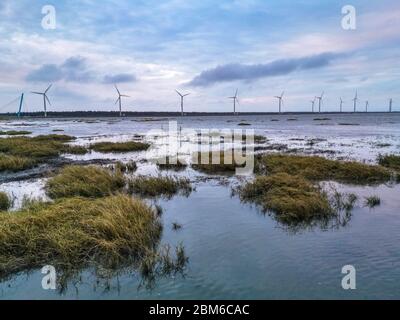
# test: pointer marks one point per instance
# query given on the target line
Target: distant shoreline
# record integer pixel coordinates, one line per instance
(105, 114)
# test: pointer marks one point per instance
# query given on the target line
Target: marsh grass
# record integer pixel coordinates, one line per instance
(76, 233)
(14, 133)
(90, 181)
(128, 167)
(224, 162)
(119, 147)
(160, 186)
(76, 150)
(389, 161)
(322, 169)
(15, 163)
(172, 163)
(20, 153)
(372, 201)
(5, 201)
(292, 199)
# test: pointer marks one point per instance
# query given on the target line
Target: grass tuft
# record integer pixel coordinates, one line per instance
(14, 133)
(221, 165)
(5, 202)
(372, 201)
(172, 164)
(90, 181)
(292, 199)
(322, 169)
(389, 161)
(76, 233)
(159, 186)
(14, 163)
(119, 147)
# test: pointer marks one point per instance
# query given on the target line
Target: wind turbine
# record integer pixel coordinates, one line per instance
(235, 99)
(280, 98)
(355, 102)
(182, 99)
(45, 99)
(21, 101)
(366, 105)
(313, 104)
(341, 105)
(120, 100)
(390, 104)
(320, 101)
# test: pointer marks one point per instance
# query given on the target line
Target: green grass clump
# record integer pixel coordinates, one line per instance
(90, 181)
(389, 161)
(221, 164)
(128, 167)
(21, 153)
(372, 201)
(320, 169)
(172, 164)
(119, 147)
(14, 133)
(14, 163)
(159, 186)
(5, 202)
(290, 198)
(76, 150)
(72, 234)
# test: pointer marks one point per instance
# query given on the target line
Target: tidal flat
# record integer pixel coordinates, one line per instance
(320, 197)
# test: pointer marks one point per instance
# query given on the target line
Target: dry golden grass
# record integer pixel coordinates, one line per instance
(291, 198)
(76, 233)
(90, 181)
(322, 169)
(119, 147)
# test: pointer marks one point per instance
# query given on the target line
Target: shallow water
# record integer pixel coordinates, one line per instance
(236, 252)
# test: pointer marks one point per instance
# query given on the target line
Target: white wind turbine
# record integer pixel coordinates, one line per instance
(182, 99)
(120, 100)
(366, 105)
(355, 101)
(45, 99)
(320, 98)
(280, 98)
(235, 99)
(390, 104)
(341, 105)
(313, 104)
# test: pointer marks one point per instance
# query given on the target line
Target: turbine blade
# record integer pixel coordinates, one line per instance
(47, 99)
(37, 92)
(188, 94)
(178, 93)
(237, 90)
(48, 88)
(117, 100)
(119, 93)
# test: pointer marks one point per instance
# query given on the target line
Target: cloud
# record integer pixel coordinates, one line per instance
(120, 78)
(74, 69)
(236, 71)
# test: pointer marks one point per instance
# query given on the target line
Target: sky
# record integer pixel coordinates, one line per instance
(206, 48)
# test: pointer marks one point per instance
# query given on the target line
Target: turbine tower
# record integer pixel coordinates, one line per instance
(366, 105)
(182, 100)
(21, 101)
(235, 99)
(390, 104)
(280, 98)
(355, 102)
(320, 101)
(45, 99)
(341, 105)
(313, 104)
(120, 100)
